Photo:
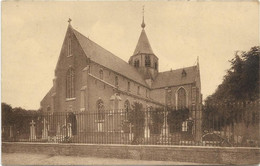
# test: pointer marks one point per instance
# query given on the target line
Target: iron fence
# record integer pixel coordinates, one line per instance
(231, 124)
(211, 125)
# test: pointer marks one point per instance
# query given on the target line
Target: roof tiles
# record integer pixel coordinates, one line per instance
(143, 45)
(105, 58)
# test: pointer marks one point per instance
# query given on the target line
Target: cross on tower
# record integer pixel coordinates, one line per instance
(143, 24)
(143, 10)
(69, 20)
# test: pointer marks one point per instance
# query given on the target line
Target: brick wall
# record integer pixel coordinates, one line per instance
(210, 155)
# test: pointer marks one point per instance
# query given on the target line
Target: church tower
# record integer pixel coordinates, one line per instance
(143, 58)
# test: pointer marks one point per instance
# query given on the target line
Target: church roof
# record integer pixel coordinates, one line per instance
(47, 95)
(143, 45)
(105, 58)
(175, 77)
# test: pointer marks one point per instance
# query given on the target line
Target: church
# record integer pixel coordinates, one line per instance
(89, 78)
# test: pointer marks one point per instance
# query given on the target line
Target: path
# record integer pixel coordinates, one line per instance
(42, 159)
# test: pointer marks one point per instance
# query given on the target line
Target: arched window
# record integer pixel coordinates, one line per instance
(101, 74)
(147, 61)
(48, 109)
(181, 98)
(116, 81)
(100, 110)
(70, 85)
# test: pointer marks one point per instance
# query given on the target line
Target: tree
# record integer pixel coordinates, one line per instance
(228, 104)
(137, 118)
(175, 118)
(241, 83)
(157, 117)
(6, 114)
(18, 118)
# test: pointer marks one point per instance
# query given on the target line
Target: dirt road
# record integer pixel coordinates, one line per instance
(41, 159)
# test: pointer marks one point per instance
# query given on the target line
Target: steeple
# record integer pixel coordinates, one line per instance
(143, 46)
(143, 58)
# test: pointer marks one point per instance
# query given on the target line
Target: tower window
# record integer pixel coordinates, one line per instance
(136, 63)
(183, 73)
(181, 98)
(70, 89)
(147, 61)
(155, 65)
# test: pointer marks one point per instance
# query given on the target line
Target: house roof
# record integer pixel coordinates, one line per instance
(143, 45)
(105, 58)
(175, 77)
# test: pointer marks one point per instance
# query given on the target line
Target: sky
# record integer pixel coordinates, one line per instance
(179, 32)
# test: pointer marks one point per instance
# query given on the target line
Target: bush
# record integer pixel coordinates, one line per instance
(137, 118)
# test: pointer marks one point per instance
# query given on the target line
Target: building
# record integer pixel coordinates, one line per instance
(88, 78)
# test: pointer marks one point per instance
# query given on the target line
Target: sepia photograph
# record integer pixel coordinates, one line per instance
(130, 82)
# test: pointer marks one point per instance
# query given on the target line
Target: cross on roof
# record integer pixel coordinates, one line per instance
(69, 20)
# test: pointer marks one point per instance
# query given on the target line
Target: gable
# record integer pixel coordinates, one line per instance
(67, 57)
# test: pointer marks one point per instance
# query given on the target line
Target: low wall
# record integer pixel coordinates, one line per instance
(213, 155)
